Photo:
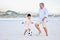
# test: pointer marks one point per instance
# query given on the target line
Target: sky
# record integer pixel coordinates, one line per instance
(53, 6)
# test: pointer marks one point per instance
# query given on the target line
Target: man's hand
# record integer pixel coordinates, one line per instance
(44, 19)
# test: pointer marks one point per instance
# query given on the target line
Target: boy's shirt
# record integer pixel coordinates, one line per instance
(42, 13)
(27, 22)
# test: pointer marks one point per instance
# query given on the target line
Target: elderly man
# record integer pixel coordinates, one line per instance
(42, 19)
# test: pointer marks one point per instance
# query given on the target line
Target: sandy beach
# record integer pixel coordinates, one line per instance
(12, 29)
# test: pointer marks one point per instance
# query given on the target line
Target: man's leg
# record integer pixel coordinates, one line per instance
(38, 28)
(45, 29)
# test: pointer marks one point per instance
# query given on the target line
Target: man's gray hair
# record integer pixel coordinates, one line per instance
(42, 4)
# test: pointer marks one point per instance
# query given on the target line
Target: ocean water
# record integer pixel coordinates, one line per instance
(12, 29)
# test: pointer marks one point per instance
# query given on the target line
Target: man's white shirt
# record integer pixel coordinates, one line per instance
(42, 13)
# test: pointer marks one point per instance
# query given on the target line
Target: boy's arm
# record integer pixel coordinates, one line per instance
(22, 22)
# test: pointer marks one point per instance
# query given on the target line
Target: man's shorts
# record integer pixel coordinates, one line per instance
(39, 22)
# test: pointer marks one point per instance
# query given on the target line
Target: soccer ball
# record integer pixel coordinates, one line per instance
(30, 33)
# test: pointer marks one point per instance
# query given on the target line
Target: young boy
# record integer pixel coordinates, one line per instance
(27, 23)
(43, 15)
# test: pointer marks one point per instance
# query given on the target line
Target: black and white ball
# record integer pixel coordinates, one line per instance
(30, 33)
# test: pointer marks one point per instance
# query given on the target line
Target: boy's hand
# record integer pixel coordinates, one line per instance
(32, 22)
(22, 22)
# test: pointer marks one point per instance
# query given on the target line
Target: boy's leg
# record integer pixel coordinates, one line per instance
(30, 32)
(45, 29)
(38, 28)
(25, 31)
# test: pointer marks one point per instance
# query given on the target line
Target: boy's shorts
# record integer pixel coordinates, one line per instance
(27, 26)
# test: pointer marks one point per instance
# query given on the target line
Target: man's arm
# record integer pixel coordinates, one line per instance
(46, 15)
(44, 18)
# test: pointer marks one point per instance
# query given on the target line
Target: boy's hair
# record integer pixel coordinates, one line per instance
(42, 4)
(28, 15)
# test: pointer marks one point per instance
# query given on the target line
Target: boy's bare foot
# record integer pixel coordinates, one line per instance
(39, 33)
